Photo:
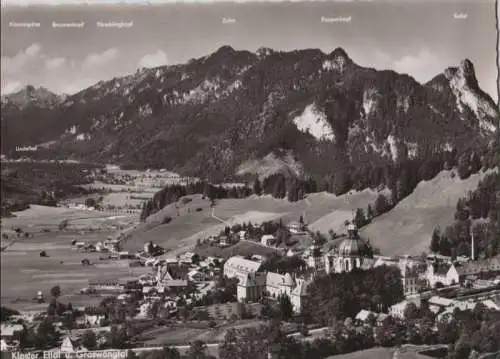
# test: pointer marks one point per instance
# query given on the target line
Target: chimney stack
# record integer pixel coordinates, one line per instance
(472, 244)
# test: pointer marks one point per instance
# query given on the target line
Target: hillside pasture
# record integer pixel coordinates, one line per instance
(242, 248)
(188, 224)
(407, 228)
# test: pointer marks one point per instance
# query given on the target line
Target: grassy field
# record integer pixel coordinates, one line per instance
(24, 272)
(322, 210)
(38, 218)
(241, 248)
(181, 335)
(380, 353)
(407, 228)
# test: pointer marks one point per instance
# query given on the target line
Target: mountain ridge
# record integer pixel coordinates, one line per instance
(210, 115)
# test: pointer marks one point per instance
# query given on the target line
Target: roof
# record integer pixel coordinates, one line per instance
(351, 247)
(368, 263)
(485, 265)
(441, 268)
(10, 329)
(274, 279)
(301, 287)
(364, 314)
(288, 280)
(267, 236)
(175, 283)
(401, 305)
(242, 265)
(95, 311)
(488, 303)
(436, 300)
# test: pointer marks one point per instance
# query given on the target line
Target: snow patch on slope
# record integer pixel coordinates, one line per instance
(314, 121)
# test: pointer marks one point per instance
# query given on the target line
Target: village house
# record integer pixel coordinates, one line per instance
(366, 316)
(398, 310)
(444, 273)
(94, 316)
(476, 267)
(9, 336)
(295, 228)
(70, 346)
(267, 240)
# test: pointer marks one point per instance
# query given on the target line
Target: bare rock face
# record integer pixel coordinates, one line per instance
(469, 96)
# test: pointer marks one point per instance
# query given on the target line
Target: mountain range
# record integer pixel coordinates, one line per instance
(233, 113)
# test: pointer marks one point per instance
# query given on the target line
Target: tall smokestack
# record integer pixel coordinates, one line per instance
(472, 244)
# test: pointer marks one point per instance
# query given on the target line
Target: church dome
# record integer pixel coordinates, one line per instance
(352, 247)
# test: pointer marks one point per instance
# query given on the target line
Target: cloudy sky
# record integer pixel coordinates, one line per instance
(419, 38)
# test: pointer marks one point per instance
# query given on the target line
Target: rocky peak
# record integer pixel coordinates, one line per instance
(264, 51)
(464, 86)
(340, 60)
(225, 50)
(40, 97)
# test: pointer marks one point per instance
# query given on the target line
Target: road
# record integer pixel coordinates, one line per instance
(219, 219)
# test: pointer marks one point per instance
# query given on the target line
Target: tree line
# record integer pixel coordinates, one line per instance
(476, 214)
(399, 178)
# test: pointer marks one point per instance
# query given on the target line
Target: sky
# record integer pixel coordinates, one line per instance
(420, 38)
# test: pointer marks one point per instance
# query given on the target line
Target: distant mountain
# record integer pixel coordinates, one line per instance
(31, 96)
(300, 112)
(26, 115)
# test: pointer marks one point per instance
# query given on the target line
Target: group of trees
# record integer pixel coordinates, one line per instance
(279, 264)
(342, 295)
(197, 350)
(399, 178)
(172, 193)
(41, 183)
(466, 332)
(478, 214)
(7, 313)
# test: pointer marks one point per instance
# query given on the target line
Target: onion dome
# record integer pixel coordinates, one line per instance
(352, 247)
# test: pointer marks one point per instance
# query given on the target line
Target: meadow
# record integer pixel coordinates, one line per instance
(407, 228)
(24, 272)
